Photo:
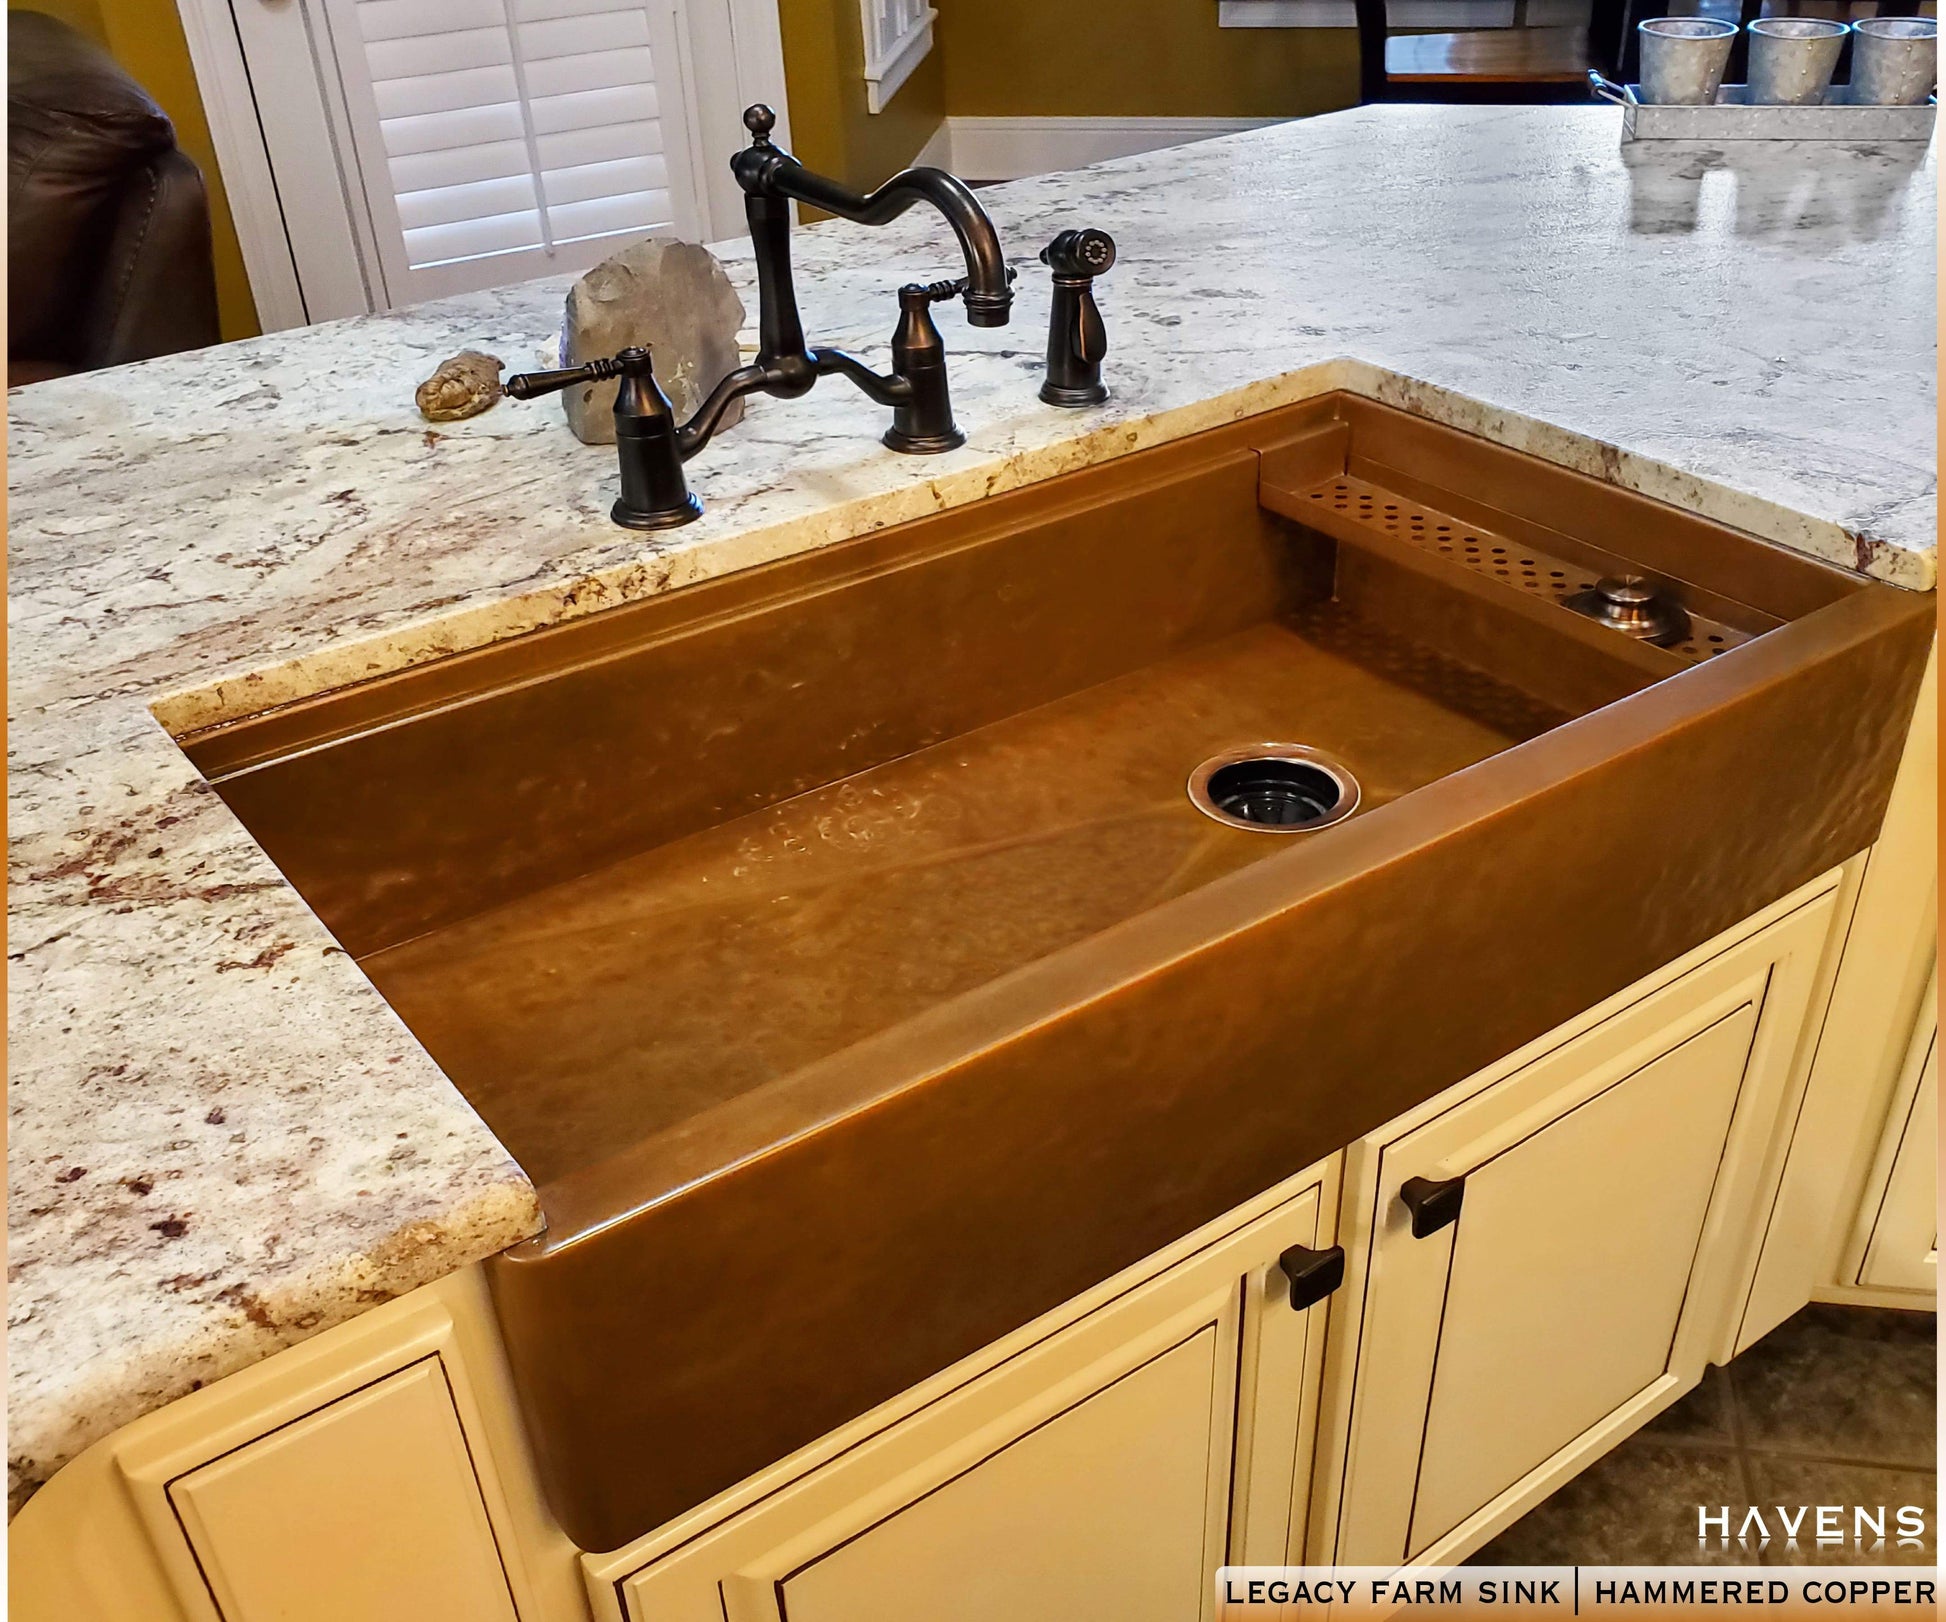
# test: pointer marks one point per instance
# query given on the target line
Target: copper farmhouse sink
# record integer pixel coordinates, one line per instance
(839, 946)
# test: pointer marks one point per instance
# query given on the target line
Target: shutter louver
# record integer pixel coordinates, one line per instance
(516, 126)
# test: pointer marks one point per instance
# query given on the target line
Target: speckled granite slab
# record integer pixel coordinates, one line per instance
(223, 1140)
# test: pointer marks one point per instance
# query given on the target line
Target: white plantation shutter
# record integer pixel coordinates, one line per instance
(503, 139)
(898, 34)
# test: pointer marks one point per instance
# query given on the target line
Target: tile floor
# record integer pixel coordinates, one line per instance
(1836, 1406)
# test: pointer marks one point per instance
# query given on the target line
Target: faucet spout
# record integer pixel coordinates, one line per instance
(987, 296)
(764, 170)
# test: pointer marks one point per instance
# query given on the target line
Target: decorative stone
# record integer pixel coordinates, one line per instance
(461, 386)
(671, 296)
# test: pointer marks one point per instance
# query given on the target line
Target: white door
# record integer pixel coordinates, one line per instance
(503, 139)
(427, 147)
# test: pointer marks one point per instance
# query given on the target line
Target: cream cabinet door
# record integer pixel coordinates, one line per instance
(370, 1507)
(1552, 1251)
(378, 1472)
(1902, 1252)
(1090, 1475)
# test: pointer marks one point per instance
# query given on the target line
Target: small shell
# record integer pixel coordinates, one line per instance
(462, 386)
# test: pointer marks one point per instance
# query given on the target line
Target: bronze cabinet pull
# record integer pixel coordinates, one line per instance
(1434, 1202)
(1314, 1274)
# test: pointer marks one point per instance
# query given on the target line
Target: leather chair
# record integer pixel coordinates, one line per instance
(108, 233)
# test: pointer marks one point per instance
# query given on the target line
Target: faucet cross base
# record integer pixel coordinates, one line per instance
(921, 444)
(686, 511)
(1055, 395)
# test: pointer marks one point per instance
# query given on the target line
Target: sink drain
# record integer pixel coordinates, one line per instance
(1274, 788)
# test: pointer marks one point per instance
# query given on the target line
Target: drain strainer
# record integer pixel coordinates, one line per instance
(1274, 788)
(1629, 604)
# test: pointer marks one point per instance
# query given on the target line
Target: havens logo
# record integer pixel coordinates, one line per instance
(1825, 1526)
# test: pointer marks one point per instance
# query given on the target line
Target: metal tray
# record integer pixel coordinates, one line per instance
(1733, 118)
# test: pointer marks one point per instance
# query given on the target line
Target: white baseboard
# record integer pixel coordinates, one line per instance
(1010, 148)
(937, 153)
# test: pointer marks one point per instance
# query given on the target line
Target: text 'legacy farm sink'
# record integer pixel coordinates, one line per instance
(839, 948)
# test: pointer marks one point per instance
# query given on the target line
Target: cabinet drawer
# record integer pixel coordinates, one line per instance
(367, 1508)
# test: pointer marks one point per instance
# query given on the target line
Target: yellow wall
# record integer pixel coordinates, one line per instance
(1134, 59)
(146, 37)
(83, 16)
(824, 68)
(1049, 58)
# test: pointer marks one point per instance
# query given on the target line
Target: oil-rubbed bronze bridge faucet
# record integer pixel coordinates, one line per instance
(653, 448)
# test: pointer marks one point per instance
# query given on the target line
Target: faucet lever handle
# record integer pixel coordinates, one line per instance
(1090, 336)
(531, 385)
(933, 292)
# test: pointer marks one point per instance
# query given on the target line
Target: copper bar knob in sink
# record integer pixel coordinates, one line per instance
(1629, 603)
(1076, 338)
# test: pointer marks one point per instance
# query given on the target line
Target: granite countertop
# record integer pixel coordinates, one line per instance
(222, 1138)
